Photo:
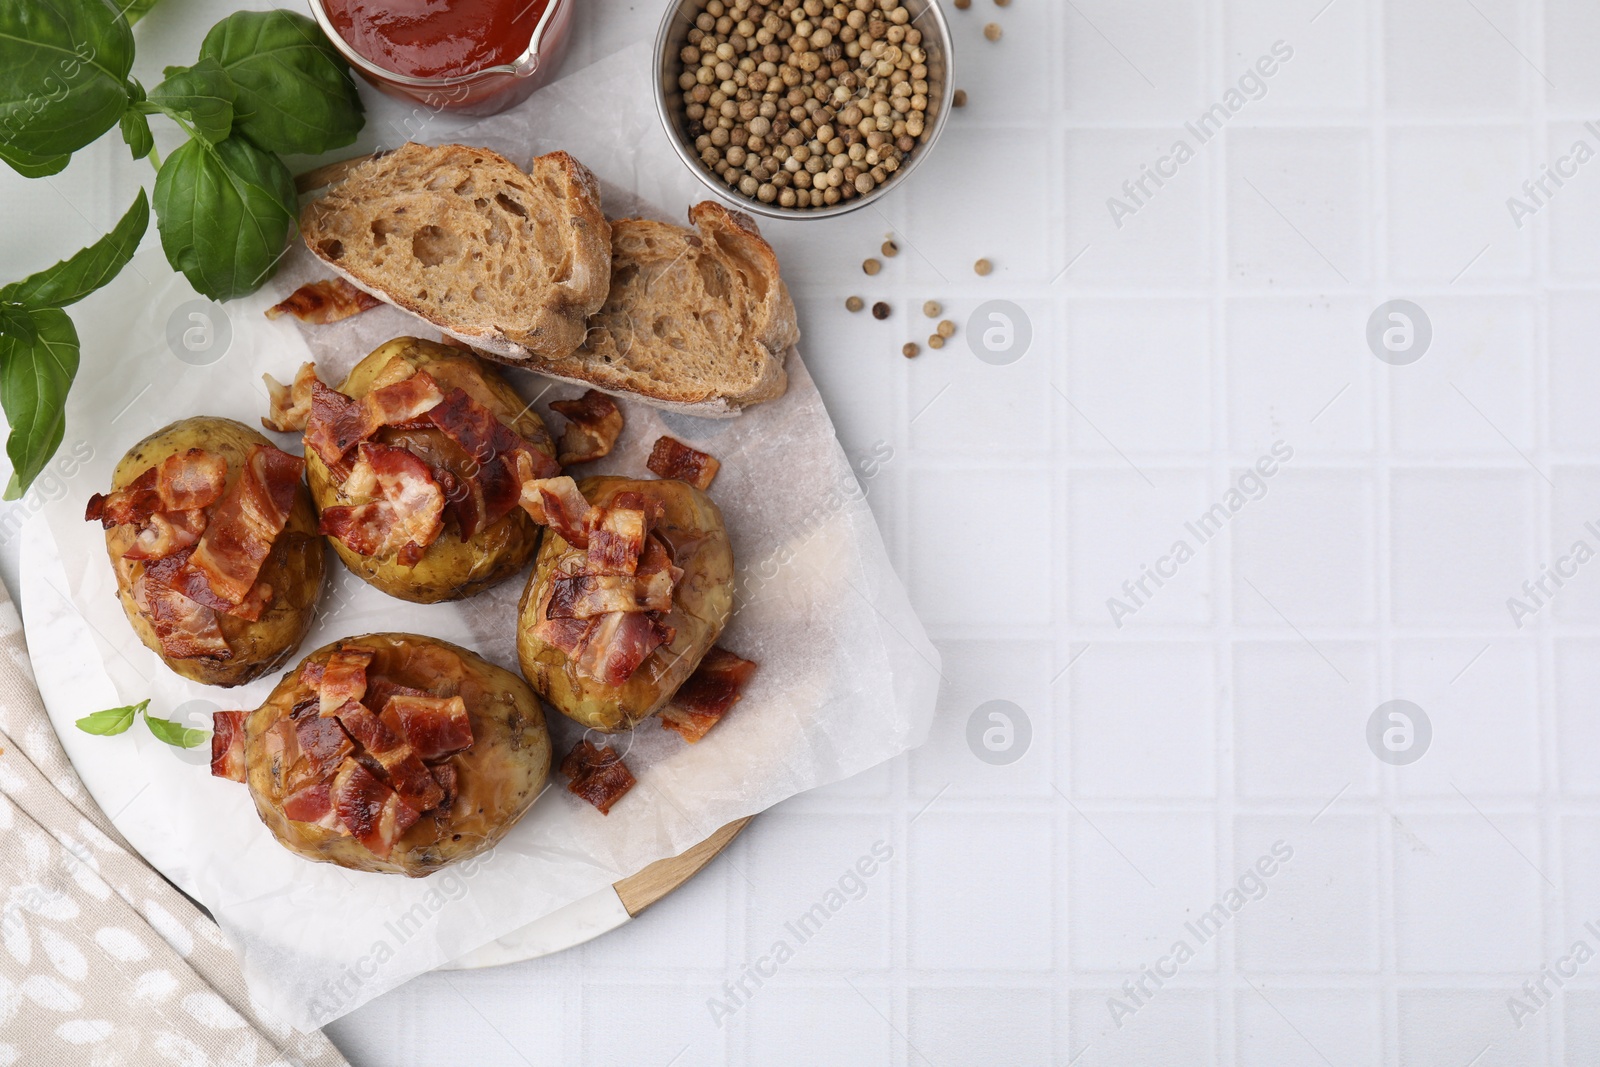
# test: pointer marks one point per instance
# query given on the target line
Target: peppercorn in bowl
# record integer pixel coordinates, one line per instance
(803, 108)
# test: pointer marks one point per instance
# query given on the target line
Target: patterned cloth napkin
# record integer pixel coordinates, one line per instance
(101, 960)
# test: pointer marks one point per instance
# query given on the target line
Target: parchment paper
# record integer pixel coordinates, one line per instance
(847, 677)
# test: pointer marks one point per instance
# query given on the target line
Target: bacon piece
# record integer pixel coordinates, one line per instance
(310, 803)
(598, 775)
(434, 726)
(709, 694)
(381, 690)
(323, 744)
(191, 479)
(557, 503)
(614, 647)
(404, 401)
(463, 501)
(343, 679)
(324, 301)
(408, 515)
(502, 455)
(289, 406)
(616, 535)
(402, 768)
(184, 629)
(227, 744)
(585, 596)
(245, 523)
(372, 812)
(133, 503)
(593, 426)
(166, 533)
(449, 784)
(671, 458)
(331, 425)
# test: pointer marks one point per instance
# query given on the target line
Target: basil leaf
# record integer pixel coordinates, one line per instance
(34, 378)
(295, 93)
(134, 10)
(63, 79)
(224, 212)
(202, 95)
(174, 733)
(81, 274)
(136, 133)
(112, 720)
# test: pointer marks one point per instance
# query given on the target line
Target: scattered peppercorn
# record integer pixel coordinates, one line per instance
(983, 267)
(910, 351)
(854, 303)
(960, 98)
(872, 266)
(962, 5)
(880, 310)
(1002, 3)
(890, 249)
(946, 328)
(804, 103)
(935, 341)
(992, 31)
(932, 309)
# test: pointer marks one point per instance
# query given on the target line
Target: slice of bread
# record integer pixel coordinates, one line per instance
(511, 263)
(695, 322)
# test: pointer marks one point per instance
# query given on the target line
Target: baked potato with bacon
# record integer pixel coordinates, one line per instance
(414, 466)
(391, 753)
(631, 588)
(215, 547)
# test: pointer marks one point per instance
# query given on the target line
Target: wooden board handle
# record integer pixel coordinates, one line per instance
(641, 890)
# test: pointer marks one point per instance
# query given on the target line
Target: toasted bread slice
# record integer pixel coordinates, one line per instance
(511, 263)
(695, 322)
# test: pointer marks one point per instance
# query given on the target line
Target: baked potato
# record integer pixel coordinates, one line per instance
(486, 787)
(157, 547)
(691, 527)
(450, 567)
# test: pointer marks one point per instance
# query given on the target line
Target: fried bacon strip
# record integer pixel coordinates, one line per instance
(585, 596)
(289, 406)
(616, 535)
(323, 743)
(338, 424)
(243, 526)
(435, 727)
(325, 301)
(343, 678)
(709, 694)
(406, 516)
(671, 458)
(167, 532)
(501, 454)
(185, 629)
(372, 812)
(185, 481)
(557, 503)
(227, 744)
(594, 422)
(402, 768)
(616, 644)
(597, 775)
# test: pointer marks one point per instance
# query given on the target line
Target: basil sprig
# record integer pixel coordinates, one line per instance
(114, 721)
(265, 82)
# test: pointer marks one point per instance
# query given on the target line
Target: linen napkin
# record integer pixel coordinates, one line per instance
(101, 960)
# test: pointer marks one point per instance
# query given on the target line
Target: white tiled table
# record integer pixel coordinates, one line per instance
(1229, 711)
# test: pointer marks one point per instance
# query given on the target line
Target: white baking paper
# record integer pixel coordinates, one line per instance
(847, 676)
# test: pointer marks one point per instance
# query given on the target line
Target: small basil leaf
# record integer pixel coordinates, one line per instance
(34, 166)
(112, 720)
(34, 379)
(224, 212)
(175, 733)
(65, 66)
(87, 270)
(136, 132)
(295, 92)
(202, 95)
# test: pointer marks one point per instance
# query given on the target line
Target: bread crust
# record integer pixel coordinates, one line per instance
(751, 360)
(412, 192)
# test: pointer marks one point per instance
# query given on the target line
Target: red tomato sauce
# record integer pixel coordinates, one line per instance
(437, 38)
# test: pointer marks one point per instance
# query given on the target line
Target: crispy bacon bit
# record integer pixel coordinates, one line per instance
(323, 742)
(594, 424)
(557, 503)
(614, 647)
(227, 744)
(449, 784)
(406, 517)
(310, 803)
(671, 458)
(585, 596)
(616, 535)
(165, 534)
(191, 479)
(501, 454)
(370, 810)
(245, 523)
(598, 775)
(185, 629)
(709, 694)
(434, 726)
(343, 679)
(289, 406)
(325, 301)
(401, 767)
(329, 427)
(403, 401)
(133, 503)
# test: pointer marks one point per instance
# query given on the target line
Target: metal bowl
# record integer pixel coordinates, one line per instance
(674, 34)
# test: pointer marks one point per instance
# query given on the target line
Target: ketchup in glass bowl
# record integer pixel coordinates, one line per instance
(475, 57)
